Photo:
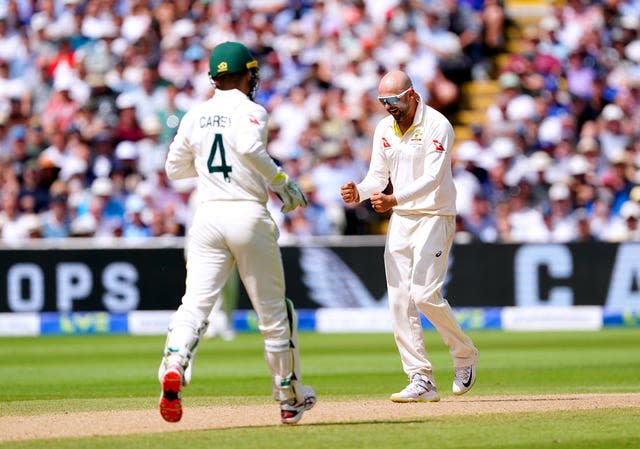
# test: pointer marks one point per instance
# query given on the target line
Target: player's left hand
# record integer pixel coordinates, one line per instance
(292, 197)
(382, 203)
(289, 192)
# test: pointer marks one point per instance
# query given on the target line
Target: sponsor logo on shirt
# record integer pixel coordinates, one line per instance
(254, 120)
(438, 145)
(385, 143)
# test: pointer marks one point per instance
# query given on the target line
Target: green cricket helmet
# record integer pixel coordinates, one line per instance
(230, 57)
(233, 57)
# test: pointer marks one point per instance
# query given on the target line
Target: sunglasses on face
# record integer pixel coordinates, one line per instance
(392, 100)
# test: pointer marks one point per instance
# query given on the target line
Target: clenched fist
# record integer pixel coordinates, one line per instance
(382, 203)
(349, 193)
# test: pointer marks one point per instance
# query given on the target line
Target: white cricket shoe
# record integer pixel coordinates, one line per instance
(170, 399)
(420, 389)
(291, 413)
(463, 379)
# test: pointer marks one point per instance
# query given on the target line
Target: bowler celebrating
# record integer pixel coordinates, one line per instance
(412, 149)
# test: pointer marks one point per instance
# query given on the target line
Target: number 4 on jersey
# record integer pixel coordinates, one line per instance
(223, 167)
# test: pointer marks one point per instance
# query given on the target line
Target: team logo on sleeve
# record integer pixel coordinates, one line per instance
(385, 143)
(438, 145)
(254, 120)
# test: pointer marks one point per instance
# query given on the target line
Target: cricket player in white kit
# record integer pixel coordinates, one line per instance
(412, 149)
(222, 141)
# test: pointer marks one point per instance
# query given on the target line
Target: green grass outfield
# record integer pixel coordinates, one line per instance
(96, 373)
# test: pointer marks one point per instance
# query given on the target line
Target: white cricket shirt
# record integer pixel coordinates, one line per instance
(223, 142)
(418, 164)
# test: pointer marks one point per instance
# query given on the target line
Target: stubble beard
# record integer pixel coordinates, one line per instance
(399, 115)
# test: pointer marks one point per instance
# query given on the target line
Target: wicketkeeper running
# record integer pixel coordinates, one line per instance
(223, 142)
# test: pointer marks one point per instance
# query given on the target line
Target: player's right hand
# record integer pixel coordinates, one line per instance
(350, 193)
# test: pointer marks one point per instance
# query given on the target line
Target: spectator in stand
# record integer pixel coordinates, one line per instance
(61, 109)
(509, 157)
(151, 151)
(12, 228)
(539, 163)
(18, 149)
(526, 223)
(328, 175)
(493, 24)
(12, 48)
(560, 219)
(422, 64)
(149, 97)
(549, 44)
(32, 225)
(480, 221)
(126, 159)
(468, 27)
(101, 203)
(292, 115)
(582, 181)
(580, 74)
(315, 217)
(134, 227)
(503, 224)
(510, 103)
(169, 116)
(31, 185)
(128, 127)
(626, 228)
(611, 135)
(65, 24)
(157, 225)
(589, 147)
(56, 222)
(634, 195)
(102, 160)
(98, 20)
(467, 184)
(583, 231)
(616, 179)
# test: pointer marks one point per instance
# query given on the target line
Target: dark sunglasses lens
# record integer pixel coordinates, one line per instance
(389, 100)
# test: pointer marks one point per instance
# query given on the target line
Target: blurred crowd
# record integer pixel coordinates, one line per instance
(558, 159)
(92, 92)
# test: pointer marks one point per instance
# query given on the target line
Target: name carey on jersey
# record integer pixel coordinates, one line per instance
(215, 121)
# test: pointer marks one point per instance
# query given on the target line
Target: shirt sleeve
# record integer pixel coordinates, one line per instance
(180, 162)
(377, 177)
(438, 159)
(252, 142)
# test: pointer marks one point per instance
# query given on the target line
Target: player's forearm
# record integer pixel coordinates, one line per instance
(260, 160)
(180, 169)
(370, 185)
(416, 189)
(180, 163)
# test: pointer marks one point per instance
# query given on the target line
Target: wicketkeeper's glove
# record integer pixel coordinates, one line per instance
(288, 191)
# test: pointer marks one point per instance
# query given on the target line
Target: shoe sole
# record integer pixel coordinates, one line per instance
(473, 381)
(294, 419)
(407, 401)
(170, 402)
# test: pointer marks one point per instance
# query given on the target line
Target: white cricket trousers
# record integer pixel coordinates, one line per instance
(241, 232)
(416, 253)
